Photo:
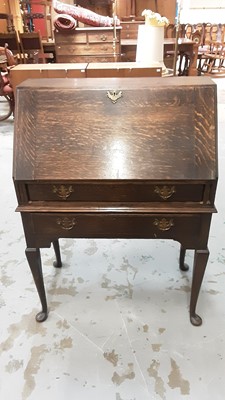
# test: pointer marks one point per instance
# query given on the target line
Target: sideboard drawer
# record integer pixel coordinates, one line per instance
(121, 192)
(87, 49)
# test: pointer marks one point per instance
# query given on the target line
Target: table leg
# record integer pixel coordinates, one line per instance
(200, 262)
(34, 259)
(183, 266)
(192, 70)
(58, 262)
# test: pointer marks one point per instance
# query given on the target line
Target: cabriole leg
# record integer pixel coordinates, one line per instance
(34, 259)
(183, 266)
(200, 262)
(58, 262)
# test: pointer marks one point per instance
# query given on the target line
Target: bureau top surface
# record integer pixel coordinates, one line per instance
(116, 129)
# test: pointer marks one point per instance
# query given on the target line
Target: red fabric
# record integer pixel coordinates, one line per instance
(83, 15)
(65, 22)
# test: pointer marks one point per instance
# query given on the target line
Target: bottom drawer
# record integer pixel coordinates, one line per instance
(190, 229)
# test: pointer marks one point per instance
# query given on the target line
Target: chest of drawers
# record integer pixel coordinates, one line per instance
(116, 158)
(88, 45)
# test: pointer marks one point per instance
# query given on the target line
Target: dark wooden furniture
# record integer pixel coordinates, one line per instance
(88, 45)
(116, 158)
(32, 48)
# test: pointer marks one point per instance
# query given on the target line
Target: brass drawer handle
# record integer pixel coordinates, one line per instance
(62, 191)
(165, 192)
(103, 37)
(163, 224)
(66, 223)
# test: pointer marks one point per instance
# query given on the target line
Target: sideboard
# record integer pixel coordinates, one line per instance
(88, 44)
(116, 158)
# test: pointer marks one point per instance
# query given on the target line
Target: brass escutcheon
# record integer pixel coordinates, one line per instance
(66, 223)
(62, 191)
(163, 224)
(165, 192)
(114, 95)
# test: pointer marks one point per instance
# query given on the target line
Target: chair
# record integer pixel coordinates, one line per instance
(11, 39)
(188, 31)
(184, 62)
(214, 63)
(32, 48)
(7, 102)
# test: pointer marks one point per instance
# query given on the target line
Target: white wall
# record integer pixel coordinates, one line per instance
(195, 11)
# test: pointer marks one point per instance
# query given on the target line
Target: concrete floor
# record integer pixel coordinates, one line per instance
(118, 327)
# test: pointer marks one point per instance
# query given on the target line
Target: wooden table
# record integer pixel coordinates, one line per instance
(22, 72)
(116, 158)
(129, 46)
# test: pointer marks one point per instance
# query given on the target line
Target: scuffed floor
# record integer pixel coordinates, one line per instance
(118, 327)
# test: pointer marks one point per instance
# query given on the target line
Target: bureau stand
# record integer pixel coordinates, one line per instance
(116, 158)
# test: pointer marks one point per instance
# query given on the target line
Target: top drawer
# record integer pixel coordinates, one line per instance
(113, 192)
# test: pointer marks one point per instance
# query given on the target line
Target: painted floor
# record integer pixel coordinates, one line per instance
(118, 327)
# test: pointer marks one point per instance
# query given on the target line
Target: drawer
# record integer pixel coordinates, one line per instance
(184, 228)
(87, 49)
(113, 192)
(87, 37)
(129, 35)
(101, 37)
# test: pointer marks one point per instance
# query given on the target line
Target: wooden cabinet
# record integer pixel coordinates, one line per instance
(116, 158)
(88, 45)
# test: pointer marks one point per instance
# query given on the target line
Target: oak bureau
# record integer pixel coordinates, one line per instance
(116, 158)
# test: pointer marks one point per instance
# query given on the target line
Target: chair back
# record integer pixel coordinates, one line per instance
(9, 21)
(11, 39)
(31, 46)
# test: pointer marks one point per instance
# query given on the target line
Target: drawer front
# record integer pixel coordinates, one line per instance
(124, 192)
(129, 35)
(87, 37)
(87, 49)
(184, 228)
(101, 37)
